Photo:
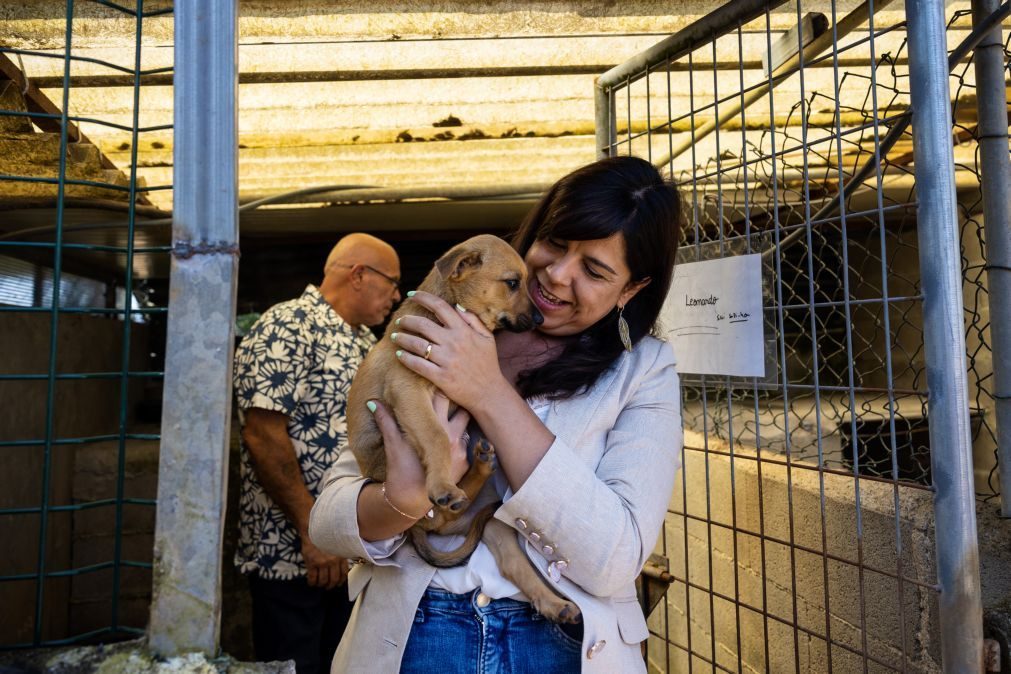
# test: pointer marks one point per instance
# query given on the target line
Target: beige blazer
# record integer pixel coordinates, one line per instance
(597, 498)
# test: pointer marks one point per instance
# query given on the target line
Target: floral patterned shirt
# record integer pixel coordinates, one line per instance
(298, 359)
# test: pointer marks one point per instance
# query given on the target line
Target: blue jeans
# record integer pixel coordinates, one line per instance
(453, 635)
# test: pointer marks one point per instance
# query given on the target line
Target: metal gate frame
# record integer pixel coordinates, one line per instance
(958, 583)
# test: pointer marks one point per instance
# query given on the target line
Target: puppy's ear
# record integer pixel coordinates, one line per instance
(458, 263)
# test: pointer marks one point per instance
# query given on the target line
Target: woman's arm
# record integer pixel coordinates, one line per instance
(602, 520)
(382, 516)
(464, 365)
(351, 509)
(333, 520)
(519, 436)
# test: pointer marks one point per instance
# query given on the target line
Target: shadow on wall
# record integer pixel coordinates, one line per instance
(86, 474)
(82, 472)
(236, 606)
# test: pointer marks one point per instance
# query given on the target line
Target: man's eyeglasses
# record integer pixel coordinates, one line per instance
(394, 281)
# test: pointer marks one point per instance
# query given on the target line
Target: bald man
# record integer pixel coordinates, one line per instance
(292, 374)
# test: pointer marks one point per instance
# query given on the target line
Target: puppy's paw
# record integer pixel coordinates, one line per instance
(449, 497)
(570, 614)
(484, 452)
(556, 609)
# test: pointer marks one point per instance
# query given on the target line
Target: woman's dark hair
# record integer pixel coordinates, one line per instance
(617, 194)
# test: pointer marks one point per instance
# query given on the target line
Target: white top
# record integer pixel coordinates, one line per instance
(481, 570)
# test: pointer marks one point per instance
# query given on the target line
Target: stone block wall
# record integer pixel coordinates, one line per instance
(94, 534)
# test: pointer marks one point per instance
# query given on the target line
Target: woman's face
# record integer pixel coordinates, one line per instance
(576, 283)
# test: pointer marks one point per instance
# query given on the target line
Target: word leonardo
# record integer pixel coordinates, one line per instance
(701, 301)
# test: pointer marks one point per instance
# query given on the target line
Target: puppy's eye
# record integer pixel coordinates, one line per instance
(512, 284)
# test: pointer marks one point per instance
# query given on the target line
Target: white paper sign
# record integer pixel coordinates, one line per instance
(713, 317)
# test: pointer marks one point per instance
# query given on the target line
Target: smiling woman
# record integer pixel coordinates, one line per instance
(575, 282)
(597, 245)
(583, 479)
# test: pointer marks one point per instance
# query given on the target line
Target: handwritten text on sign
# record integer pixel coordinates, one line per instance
(713, 317)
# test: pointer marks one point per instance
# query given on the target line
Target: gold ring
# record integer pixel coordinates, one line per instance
(428, 351)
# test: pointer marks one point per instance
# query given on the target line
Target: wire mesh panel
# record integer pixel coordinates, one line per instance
(801, 536)
(83, 295)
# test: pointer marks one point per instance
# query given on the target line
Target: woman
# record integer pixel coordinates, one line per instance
(584, 415)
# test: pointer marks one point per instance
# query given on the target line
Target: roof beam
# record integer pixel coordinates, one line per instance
(40, 104)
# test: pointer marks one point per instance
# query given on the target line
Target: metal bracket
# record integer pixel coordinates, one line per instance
(789, 43)
(184, 250)
(653, 582)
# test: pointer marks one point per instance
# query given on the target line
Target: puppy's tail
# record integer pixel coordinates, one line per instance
(444, 560)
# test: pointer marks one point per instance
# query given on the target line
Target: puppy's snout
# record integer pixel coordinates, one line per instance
(521, 322)
(524, 322)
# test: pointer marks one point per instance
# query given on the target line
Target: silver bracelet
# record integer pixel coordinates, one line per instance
(390, 503)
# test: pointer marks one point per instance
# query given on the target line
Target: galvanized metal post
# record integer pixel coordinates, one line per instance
(193, 468)
(995, 169)
(961, 614)
(604, 122)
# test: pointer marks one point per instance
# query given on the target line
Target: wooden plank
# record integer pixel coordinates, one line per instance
(38, 102)
(787, 45)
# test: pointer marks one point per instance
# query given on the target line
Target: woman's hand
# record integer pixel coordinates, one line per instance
(405, 476)
(462, 362)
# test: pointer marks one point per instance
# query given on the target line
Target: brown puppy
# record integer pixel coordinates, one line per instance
(488, 278)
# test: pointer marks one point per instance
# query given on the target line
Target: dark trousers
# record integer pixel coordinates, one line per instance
(292, 621)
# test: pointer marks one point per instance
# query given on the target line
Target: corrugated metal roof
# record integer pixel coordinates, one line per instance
(320, 107)
(415, 98)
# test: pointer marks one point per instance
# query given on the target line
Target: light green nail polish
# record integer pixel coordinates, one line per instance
(399, 353)
(461, 309)
(410, 293)
(393, 337)
(397, 322)
(372, 406)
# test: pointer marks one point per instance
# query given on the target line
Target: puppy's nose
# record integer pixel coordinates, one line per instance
(536, 315)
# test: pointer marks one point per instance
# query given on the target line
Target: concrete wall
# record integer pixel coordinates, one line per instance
(87, 473)
(808, 512)
(788, 507)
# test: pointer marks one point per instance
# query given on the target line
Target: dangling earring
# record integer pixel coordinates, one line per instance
(626, 340)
